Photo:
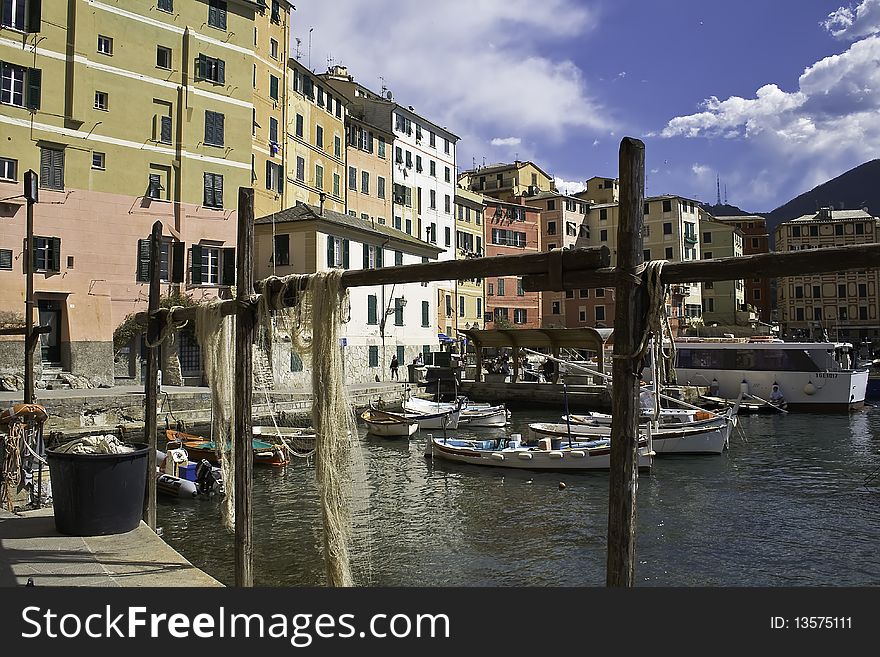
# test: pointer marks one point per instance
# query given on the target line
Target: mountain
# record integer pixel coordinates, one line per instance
(724, 210)
(857, 188)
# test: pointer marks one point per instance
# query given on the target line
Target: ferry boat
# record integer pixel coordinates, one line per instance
(812, 376)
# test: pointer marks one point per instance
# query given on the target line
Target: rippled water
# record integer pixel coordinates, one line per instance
(787, 505)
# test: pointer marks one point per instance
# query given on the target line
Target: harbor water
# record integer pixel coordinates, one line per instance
(791, 503)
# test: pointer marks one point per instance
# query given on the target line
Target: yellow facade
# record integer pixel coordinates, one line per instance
(270, 79)
(507, 181)
(470, 298)
(315, 141)
(368, 178)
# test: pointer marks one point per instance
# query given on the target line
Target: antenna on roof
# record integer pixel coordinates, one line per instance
(299, 53)
(310, 47)
(725, 193)
(718, 183)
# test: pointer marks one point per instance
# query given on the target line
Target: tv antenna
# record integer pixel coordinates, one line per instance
(310, 47)
(718, 185)
(299, 53)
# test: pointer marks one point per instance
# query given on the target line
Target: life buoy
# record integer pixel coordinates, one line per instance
(26, 412)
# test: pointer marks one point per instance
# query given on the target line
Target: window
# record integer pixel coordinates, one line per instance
(426, 314)
(157, 182)
(211, 69)
(603, 235)
(667, 228)
(646, 255)
(46, 254)
(319, 136)
(863, 290)
(299, 126)
(409, 161)
(398, 311)
(337, 252)
(8, 169)
(817, 292)
(20, 86)
(841, 291)
(337, 146)
(217, 14)
(352, 178)
(273, 130)
(373, 356)
(273, 49)
(372, 310)
(860, 229)
(551, 227)
(418, 163)
(214, 128)
(669, 253)
(274, 177)
(300, 169)
(600, 292)
(863, 312)
(163, 57)
(798, 292)
(319, 176)
(520, 316)
(212, 265)
(707, 237)
(584, 294)
(213, 190)
(51, 168)
(447, 204)
(365, 182)
(166, 5)
(98, 160)
(710, 305)
(445, 145)
(842, 312)
(380, 187)
(603, 214)
(102, 101)
(838, 230)
(500, 287)
(447, 176)
(273, 87)
(6, 259)
(556, 308)
(667, 205)
(105, 45)
(432, 201)
(756, 295)
(282, 250)
(707, 255)
(600, 313)
(381, 149)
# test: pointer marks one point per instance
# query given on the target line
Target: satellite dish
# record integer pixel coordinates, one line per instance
(388, 95)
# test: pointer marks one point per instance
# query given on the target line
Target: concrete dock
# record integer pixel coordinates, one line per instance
(31, 547)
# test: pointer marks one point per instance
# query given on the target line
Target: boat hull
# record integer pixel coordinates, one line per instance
(199, 448)
(397, 430)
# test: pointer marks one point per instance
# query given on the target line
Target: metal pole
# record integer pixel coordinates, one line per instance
(30, 192)
(151, 386)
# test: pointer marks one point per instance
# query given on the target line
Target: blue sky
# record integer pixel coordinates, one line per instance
(775, 96)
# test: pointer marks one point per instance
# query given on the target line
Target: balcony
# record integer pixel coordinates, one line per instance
(690, 239)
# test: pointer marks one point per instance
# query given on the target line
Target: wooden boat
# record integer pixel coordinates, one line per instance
(199, 448)
(300, 440)
(710, 436)
(390, 425)
(549, 454)
(470, 414)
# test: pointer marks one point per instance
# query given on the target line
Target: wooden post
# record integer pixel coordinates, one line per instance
(151, 387)
(243, 431)
(629, 325)
(30, 337)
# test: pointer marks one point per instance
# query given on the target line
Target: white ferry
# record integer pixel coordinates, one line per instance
(812, 376)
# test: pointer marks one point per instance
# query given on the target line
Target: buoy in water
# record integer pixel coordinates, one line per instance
(561, 485)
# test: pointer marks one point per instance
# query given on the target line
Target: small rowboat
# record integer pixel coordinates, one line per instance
(198, 448)
(391, 425)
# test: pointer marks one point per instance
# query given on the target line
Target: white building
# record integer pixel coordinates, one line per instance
(386, 320)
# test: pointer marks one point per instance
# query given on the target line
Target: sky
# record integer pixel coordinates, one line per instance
(771, 97)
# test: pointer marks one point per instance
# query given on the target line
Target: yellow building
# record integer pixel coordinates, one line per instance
(270, 79)
(315, 141)
(507, 181)
(601, 190)
(724, 302)
(470, 300)
(123, 132)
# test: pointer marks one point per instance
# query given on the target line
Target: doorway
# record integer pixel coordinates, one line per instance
(50, 343)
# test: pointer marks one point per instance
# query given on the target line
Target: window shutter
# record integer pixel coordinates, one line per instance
(34, 82)
(371, 309)
(221, 71)
(366, 256)
(345, 254)
(218, 190)
(268, 174)
(155, 184)
(379, 257)
(209, 190)
(219, 131)
(221, 13)
(209, 127)
(45, 167)
(196, 265)
(201, 66)
(165, 129)
(178, 258)
(228, 266)
(143, 261)
(33, 16)
(58, 169)
(330, 262)
(56, 253)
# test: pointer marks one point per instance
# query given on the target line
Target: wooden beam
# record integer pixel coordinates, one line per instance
(762, 265)
(151, 386)
(242, 436)
(571, 261)
(629, 327)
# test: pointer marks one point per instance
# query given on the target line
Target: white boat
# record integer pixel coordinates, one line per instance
(470, 414)
(177, 476)
(667, 416)
(381, 423)
(548, 455)
(298, 439)
(812, 376)
(708, 436)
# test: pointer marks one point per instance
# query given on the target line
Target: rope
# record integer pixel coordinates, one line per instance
(167, 328)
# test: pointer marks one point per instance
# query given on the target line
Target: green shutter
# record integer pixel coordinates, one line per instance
(219, 131)
(178, 258)
(218, 190)
(221, 71)
(228, 266)
(33, 17)
(268, 174)
(366, 256)
(345, 254)
(379, 252)
(143, 261)
(201, 66)
(330, 262)
(34, 83)
(196, 276)
(209, 127)
(55, 251)
(425, 313)
(371, 309)
(209, 190)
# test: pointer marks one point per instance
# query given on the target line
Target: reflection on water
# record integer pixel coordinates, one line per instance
(785, 506)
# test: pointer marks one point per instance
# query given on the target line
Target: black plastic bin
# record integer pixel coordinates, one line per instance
(98, 494)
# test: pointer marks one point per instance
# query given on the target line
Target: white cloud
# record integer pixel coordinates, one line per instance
(854, 23)
(506, 141)
(568, 186)
(701, 170)
(479, 69)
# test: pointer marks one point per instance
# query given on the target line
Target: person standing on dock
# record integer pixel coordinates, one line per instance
(395, 364)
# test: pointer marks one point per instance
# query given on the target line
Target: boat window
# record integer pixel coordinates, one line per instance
(780, 360)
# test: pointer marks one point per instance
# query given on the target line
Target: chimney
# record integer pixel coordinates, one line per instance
(321, 196)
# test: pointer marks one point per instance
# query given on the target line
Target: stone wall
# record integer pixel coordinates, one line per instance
(92, 360)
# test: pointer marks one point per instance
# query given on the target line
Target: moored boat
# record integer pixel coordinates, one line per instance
(199, 448)
(470, 414)
(390, 425)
